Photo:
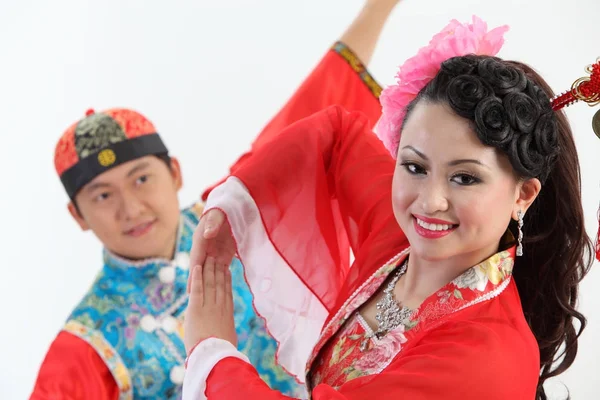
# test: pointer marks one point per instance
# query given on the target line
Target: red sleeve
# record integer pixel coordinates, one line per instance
(72, 370)
(331, 155)
(288, 205)
(469, 361)
(340, 78)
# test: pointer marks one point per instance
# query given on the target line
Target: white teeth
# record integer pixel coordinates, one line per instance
(433, 227)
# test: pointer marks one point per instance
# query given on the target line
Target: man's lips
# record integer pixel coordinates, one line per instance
(140, 229)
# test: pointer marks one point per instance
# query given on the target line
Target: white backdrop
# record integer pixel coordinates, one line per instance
(210, 75)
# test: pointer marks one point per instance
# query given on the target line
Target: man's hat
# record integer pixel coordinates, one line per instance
(101, 141)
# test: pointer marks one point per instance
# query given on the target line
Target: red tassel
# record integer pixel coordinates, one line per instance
(585, 89)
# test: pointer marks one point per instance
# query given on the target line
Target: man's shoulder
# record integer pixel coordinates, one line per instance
(98, 304)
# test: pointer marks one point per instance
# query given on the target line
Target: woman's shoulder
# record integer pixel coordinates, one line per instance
(496, 331)
(489, 342)
(482, 351)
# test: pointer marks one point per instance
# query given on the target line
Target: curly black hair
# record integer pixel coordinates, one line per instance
(508, 106)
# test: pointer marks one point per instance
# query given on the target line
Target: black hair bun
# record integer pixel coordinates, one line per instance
(503, 78)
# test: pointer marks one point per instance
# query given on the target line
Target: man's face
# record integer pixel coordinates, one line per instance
(133, 208)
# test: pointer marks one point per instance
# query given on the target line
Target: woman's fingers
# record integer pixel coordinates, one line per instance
(209, 281)
(220, 284)
(214, 220)
(196, 285)
(228, 289)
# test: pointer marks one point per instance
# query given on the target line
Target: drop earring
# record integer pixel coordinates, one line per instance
(520, 238)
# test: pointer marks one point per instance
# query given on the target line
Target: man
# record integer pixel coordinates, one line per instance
(124, 339)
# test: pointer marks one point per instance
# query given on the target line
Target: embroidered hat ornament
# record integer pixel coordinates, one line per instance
(101, 141)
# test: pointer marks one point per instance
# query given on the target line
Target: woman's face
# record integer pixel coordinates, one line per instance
(452, 196)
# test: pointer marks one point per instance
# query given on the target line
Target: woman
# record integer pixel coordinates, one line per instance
(469, 248)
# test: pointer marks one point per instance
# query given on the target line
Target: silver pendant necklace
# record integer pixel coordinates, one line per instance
(390, 313)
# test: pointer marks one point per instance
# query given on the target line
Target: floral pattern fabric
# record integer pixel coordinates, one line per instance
(338, 357)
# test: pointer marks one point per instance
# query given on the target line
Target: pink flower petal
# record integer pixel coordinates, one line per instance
(493, 41)
(455, 39)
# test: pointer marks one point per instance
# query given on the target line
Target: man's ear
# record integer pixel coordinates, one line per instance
(74, 211)
(176, 173)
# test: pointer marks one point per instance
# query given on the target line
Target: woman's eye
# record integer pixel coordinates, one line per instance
(465, 179)
(414, 169)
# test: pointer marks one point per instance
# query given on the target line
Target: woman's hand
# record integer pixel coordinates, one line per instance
(212, 238)
(210, 306)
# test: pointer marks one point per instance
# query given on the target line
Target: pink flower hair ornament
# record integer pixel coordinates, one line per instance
(456, 39)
